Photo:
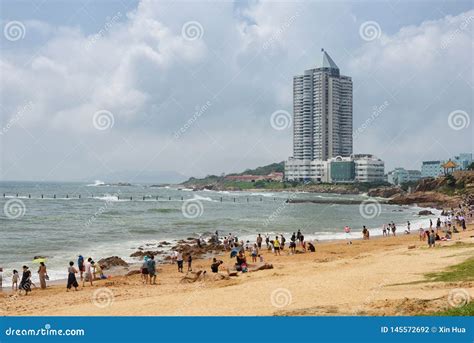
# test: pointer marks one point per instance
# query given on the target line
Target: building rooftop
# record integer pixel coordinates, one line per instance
(450, 164)
(326, 61)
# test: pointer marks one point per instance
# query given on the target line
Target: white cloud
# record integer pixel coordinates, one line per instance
(151, 78)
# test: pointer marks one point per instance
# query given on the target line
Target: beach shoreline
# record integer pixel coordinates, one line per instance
(338, 279)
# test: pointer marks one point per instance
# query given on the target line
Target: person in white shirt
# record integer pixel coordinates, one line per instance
(179, 259)
(88, 272)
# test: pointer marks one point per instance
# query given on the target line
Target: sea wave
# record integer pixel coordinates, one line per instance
(96, 183)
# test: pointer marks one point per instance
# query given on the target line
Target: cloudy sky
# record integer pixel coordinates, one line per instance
(93, 88)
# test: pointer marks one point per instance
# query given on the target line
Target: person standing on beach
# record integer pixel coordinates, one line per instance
(152, 270)
(87, 272)
(394, 228)
(43, 275)
(298, 235)
(1, 278)
(267, 240)
(80, 265)
(384, 230)
(422, 234)
(71, 277)
(347, 231)
(409, 226)
(190, 261)
(276, 246)
(254, 253)
(283, 240)
(144, 270)
(25, 283)
(301, 238)
(431, 239)
(259, 241)
(15, 278)
(431, 224)
(179, 260)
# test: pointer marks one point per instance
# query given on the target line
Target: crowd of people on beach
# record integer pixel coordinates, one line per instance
(90, 271)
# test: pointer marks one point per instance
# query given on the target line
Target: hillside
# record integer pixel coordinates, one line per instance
(265, 170)
(221, 183)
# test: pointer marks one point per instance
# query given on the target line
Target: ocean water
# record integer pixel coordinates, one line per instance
(105, 222)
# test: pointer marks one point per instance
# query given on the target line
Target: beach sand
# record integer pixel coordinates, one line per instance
(373, 277)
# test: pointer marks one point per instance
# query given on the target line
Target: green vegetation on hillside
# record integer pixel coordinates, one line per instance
(265, 170)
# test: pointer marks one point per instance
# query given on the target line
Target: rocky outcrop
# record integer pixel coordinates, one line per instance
(426, 199)
(425, 213)
(141, 253)
(113, 261)
(385, 192)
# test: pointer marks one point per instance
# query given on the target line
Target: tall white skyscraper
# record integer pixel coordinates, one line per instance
(322, 125)
(322, 109)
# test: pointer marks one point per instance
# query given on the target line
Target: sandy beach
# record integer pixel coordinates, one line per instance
(380, 276)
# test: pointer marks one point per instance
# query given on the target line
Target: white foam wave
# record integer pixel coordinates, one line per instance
(198, 197)
(96, 183)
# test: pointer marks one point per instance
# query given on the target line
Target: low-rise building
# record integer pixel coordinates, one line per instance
(368, 168)
(463, 161)
(402, 175)
(431, 169)
(435, 168)
(356, 168)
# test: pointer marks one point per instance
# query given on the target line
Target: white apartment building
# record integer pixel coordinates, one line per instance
(368, 168)
(322, 110)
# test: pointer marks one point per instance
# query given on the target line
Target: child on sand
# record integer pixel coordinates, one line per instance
(15, 278)
(254, 253)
